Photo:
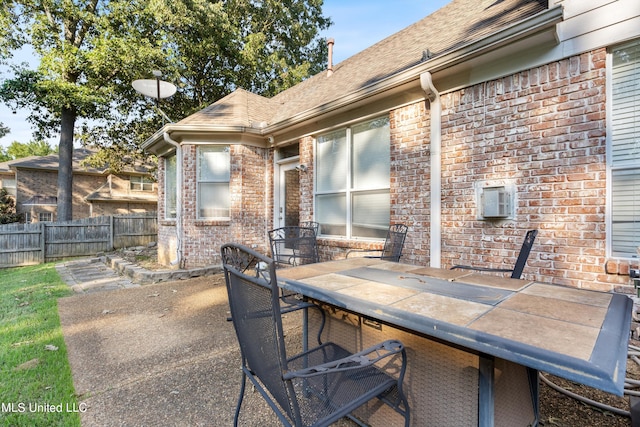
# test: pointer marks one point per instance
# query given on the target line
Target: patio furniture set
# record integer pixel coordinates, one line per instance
(402, 344)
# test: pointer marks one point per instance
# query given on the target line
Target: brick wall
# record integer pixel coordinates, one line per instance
(109, 208)
(541, 131)
(43, 183)
(544, 131)
(251, 196)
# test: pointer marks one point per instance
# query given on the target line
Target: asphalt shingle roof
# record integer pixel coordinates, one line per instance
(458, 23)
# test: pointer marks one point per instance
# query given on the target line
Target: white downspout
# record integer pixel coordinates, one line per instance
(433, 96)
(178, 259)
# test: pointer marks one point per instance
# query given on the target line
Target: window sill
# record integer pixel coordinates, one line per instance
(212, 222)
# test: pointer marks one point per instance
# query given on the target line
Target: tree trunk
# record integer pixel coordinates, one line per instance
(65, 165)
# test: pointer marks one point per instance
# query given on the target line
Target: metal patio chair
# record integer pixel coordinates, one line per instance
(318, 386)
(311, 224)
(291, 246)
(247, 263)
(393, 244)
(516, 271)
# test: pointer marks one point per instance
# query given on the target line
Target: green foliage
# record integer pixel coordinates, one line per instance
(90, 52)
(7, 208)
(33, 357)
(18, 150)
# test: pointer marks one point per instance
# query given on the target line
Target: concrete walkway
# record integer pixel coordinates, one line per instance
(111, 272)
(161, 354)
(92, 274)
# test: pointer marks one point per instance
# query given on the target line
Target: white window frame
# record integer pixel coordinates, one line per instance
(140, 183)
(613, 247)
(224, 178)
(42, 216)
(348, 190)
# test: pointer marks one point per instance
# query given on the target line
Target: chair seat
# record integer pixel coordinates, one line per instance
(325, 395)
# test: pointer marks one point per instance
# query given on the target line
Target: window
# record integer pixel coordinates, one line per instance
(27, 218)
(214, 172)
(625, 150)
(9, 184)
(352, 180)
(170, 186)
(45, 217)
(140, 183)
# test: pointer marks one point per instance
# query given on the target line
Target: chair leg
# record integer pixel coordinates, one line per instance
(240, 397)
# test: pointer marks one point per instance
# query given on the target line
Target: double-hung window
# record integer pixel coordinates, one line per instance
(625, 149)
(214, 172)
(140, 183)
(352, 180)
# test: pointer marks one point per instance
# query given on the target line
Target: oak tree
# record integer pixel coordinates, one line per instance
(89, 52)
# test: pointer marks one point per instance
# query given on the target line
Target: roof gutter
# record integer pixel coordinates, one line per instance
(537, 23)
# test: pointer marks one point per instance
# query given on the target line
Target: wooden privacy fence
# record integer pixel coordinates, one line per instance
(28, 244)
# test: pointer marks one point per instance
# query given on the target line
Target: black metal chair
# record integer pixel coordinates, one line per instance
(318, 386)
(291, 246)
(393, 244)
(516, 271)
(311, 224)
(247, 263)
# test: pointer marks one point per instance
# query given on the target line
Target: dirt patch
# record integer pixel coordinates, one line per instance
(143, 256)
(558, 409)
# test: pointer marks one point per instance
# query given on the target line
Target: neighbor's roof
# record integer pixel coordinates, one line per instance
(51, 163)
(456, 24)
(5, 167)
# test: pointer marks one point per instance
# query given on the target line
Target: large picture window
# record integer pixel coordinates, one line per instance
(213, 182)
(170, 186)
(352, 180)
(625, 150)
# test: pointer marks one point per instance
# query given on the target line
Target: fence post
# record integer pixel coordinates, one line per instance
(43, 233)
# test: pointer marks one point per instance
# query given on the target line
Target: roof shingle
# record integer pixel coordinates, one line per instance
(458, 23)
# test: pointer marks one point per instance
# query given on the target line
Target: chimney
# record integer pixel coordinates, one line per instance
(330, 43)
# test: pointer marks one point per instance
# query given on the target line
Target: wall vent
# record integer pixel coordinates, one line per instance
(496, 202)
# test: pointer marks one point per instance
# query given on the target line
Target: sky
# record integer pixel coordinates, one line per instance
(357, 24)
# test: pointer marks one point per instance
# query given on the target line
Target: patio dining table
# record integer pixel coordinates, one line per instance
(475, 342)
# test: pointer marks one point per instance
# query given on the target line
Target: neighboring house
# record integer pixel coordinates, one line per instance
(532, 103)
(33, 181)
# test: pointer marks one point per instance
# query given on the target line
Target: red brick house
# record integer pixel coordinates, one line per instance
(33, 181)
(529, 99)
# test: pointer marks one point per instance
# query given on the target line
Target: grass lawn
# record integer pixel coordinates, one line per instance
(36, 387)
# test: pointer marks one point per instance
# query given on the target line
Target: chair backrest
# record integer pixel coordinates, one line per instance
(311, 224)
(294, 245)
(255, 311)
(524, 254)
(394, 242)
